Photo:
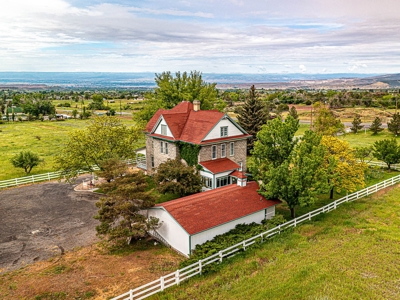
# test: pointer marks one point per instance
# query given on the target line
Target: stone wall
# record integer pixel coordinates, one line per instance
(239, 155)
(153, 148)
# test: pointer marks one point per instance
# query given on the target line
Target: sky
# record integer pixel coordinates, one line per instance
(211, 36)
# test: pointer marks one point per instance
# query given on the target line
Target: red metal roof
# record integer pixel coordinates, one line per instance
(208, 209)
(238, 174)
(219, 165)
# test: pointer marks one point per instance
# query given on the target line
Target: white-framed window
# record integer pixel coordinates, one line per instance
(224, 131)
(232, 149)
(240, 166)
(163, 129)
(207, 182)
(222, 181)
(223, 150)
(213, 152)
(162, 147)
(166, 148)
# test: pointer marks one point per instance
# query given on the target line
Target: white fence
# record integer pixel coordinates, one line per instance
(180, 275)
(40, 177)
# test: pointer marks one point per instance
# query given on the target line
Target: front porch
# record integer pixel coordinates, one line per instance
(141, 161)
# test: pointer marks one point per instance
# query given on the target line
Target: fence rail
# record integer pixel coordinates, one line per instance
(194, 269)
(40, 177)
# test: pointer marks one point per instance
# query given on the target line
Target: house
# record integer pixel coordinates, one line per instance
(222, 142)
(195, 219)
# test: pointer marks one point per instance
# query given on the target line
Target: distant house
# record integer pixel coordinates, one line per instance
(223, 142)
(195, 219)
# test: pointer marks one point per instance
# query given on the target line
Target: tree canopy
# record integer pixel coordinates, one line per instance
(174, 176)
(251, 116)
(104, 138)
(326, 123)
(376, 126)
(394, 124)
(387, 151)
(356, 124)
(26, 160)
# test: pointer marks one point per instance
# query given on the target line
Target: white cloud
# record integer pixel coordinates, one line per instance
(302, 68)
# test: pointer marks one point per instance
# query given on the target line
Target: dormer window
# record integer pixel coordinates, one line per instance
(163, 129)
(224, 131)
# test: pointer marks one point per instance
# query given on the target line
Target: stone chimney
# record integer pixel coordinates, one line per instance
(196, 105)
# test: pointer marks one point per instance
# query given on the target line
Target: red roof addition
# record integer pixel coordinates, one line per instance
(238, 174)
(220, 165)
(208, 209)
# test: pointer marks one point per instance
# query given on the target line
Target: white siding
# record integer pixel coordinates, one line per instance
(158, 129)
(171, 231)
(204, 236)
(215, 133)
(206, 174)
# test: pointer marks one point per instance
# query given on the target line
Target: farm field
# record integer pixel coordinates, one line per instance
(350, 253)
(44, 138)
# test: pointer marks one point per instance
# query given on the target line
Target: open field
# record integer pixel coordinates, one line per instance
(350, 253)
(44, 138)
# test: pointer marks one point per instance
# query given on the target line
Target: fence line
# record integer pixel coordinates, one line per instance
(41, 177)
(194, 269)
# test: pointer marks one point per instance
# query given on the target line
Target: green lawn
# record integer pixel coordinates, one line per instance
(19, 136)
(362, 139)
(350, 253)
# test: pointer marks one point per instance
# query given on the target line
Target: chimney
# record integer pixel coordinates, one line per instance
(242, 180)
(196, 105)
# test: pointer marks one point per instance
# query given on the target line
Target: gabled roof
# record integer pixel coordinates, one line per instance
(186, 124)
(238, 174)
(219, 165)
(208, 209)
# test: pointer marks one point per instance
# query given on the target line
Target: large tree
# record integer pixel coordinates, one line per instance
(326, 123)
(251, 116)
(394, 124)
(174, 176)
(26, 160)
(104, 138)
(119, 212)
(387, 151)
(347, 173)
(299, 178)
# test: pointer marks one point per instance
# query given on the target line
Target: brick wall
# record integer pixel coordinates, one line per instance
(153, 147)
(239, 155)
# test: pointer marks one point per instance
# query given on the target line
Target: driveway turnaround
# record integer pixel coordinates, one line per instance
(42, 220)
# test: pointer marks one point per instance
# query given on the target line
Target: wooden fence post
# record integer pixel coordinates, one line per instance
(220, 256)
(130, 295)
(177, 277)
(200, 267)
(162, 283)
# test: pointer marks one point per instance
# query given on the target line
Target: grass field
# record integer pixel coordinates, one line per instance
(350, 253)
(44, 138)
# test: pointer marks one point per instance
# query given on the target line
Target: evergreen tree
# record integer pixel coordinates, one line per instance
(356, 124)
(293, 113)
(251, 116)
(376, 126)
(394, 124)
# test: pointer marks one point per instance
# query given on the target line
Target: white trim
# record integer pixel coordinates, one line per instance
(212, 152)
(223, 154)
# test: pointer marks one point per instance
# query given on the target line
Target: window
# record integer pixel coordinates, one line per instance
(213, 152)
(152, 161)
(223, 150)
(166, 148)
(164, 129)
(152, 144)
(241, 166)
(222, 181)
(207, 182)
(224, 131)
(162, 147)
(232, 148)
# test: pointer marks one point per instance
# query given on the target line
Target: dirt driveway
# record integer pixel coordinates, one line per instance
(43, 220)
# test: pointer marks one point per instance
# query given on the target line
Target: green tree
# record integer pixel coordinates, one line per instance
(173, 176)
(299, 178)
(394, 124)
(275, 142)
(344, 170)
(356, 124)
(97, 102)
(326, 123)
(387, 151)
(104, 138)
(74, 113)
(376, 126)
(251, 116)
(26, 160)
(118, 212)
(293, 113)
(363, 154)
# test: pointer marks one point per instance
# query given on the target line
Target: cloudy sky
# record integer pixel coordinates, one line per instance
(219, 36)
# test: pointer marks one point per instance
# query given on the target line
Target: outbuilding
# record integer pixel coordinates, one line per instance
(195, 219)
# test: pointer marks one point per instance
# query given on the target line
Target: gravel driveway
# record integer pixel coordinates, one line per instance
(42, 220)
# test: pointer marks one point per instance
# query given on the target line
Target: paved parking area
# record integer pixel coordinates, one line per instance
(42, 220)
